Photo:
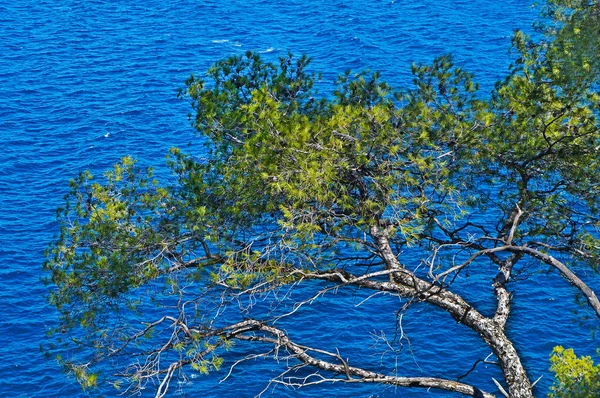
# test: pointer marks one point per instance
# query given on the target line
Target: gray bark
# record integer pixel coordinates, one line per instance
(353, 374)
(519, 385)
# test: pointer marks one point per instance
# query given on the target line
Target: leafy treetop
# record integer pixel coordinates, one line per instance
(370, 187)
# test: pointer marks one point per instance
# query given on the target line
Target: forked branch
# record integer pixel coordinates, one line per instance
(253, 330)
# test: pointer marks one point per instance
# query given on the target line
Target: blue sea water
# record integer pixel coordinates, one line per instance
(83, 83)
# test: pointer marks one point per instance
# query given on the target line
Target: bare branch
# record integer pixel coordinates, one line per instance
(502, 390)
(353, 374)
(515, 222)
(565, 272)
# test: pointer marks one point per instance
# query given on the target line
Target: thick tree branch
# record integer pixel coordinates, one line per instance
(565, 272)
(490, 330)
(503, 296)
(352, 374)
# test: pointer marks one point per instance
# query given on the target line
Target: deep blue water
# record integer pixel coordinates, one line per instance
(84, 82)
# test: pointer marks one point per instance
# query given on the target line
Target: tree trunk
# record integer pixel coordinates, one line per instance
(492, 332)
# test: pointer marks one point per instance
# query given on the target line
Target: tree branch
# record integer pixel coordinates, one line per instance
(352, 374)
(565, 272)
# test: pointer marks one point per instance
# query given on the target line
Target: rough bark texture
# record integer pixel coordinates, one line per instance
(353, 374)
(519, 385)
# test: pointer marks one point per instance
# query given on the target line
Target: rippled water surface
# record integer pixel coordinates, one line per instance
(84, 82)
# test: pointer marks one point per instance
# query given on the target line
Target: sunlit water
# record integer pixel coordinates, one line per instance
(84, 82)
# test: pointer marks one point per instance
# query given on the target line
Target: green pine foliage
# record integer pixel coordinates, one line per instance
(293, 182)
(575, 377)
